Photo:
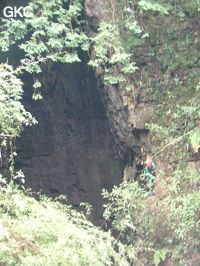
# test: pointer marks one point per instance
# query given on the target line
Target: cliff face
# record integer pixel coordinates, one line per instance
(126, 113)
(168, 63)
(71, 151)
(86, 132)
(91, 135)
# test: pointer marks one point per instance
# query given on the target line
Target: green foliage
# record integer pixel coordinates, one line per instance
(179, 116)
(13, 116)
(176, 7)
(53, 32)
(11, 31)
(195, 140)
(191, 7)
(45, 232)
(159, 39)
(111, 55)
(157, 228)
(123, 209)
(88, 208)
(131, 32)
(154, 6)
(168, 62)
(160, 255)
(12, 113)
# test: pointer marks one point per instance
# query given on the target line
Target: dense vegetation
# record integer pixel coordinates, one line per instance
(158, 228)
(143, 44)
(46, 232)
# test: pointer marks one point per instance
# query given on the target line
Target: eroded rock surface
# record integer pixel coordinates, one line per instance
(127, 115)
(71, 151)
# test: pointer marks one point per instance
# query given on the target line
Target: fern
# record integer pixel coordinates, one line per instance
(160, 255)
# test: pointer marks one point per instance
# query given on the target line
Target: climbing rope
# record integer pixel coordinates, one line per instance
(174, 141)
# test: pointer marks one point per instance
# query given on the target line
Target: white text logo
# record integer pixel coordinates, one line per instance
(13, 12)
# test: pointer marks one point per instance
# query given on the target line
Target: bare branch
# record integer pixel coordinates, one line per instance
(9, 136)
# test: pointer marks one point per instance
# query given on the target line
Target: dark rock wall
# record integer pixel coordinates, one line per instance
(126, 119)
(74, 148)
(71, 150)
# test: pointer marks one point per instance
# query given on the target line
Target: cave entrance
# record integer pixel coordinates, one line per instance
(71, 151)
